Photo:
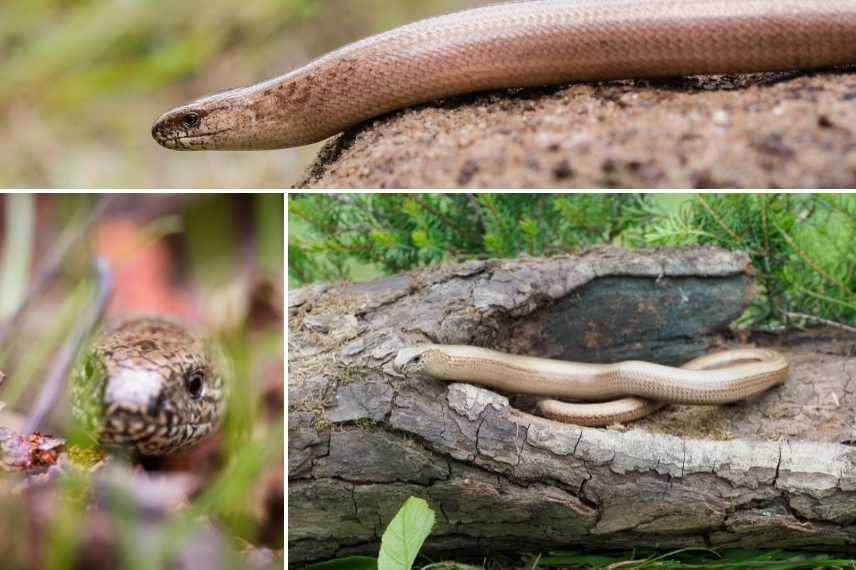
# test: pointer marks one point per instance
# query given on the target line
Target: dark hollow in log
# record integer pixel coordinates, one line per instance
(770, 472)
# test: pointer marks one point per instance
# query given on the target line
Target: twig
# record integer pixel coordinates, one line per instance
(843, 211)
(820, 320)
(52, 265)
(374, 216)
(827, 298)
(83, 328)
(812, 264)
(474, 203)
(468, 235)
(765, 277)
(719, 221)
(491, 209)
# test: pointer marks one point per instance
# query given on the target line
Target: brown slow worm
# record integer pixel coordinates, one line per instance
(641, 387)
(151, 385)
(517, 44)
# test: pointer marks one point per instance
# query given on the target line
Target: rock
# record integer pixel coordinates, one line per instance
(742, 131)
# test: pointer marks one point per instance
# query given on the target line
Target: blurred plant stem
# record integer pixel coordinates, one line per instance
(64, 533)
(83, 328)
(52, 265)
(270, 218)
(33, 359)
(18, 246)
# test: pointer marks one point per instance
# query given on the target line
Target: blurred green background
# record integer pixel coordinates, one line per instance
(214, 260)
(83, 81)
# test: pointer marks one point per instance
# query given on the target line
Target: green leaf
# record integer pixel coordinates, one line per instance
(405, 534)
(346, 563)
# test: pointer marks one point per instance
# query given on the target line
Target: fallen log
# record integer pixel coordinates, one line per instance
(769, 472)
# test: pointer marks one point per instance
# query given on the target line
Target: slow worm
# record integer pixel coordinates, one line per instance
(517, 44)
(627, 390)
(151, 385)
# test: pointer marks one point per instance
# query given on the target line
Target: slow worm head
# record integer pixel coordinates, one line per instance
(515, 44)
(150, 384)
(249, 118)
(409, 361)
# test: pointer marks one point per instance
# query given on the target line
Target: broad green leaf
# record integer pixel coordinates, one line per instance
(405, 534)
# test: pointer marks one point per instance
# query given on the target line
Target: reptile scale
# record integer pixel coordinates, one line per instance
(515, 44)
(150, 385)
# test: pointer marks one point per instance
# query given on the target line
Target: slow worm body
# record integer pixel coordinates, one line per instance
(517, 44)
(627, 390)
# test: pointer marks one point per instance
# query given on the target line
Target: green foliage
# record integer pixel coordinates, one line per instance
(83, 80)
(346, 563)
(693, 558)
(801, 248)
(801, 245)
(68, 54)
(63, 535)
(399, 232)
(268, 210)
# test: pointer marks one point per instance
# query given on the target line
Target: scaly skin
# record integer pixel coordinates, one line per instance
(717, 378)
(515, 44)
(150, 385)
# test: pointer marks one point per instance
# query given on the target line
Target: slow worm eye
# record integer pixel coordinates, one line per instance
(194, 382)
(190, 120)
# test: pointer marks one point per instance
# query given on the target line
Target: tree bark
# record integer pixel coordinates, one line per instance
(769, 472)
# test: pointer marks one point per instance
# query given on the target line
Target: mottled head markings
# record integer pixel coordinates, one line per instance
(151, 385)
(189, 127)
(257, 117)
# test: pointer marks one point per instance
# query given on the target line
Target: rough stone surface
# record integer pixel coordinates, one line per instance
(770, 472)
(759, 130)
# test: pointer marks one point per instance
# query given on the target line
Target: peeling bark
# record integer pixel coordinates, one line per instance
(769, 472)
